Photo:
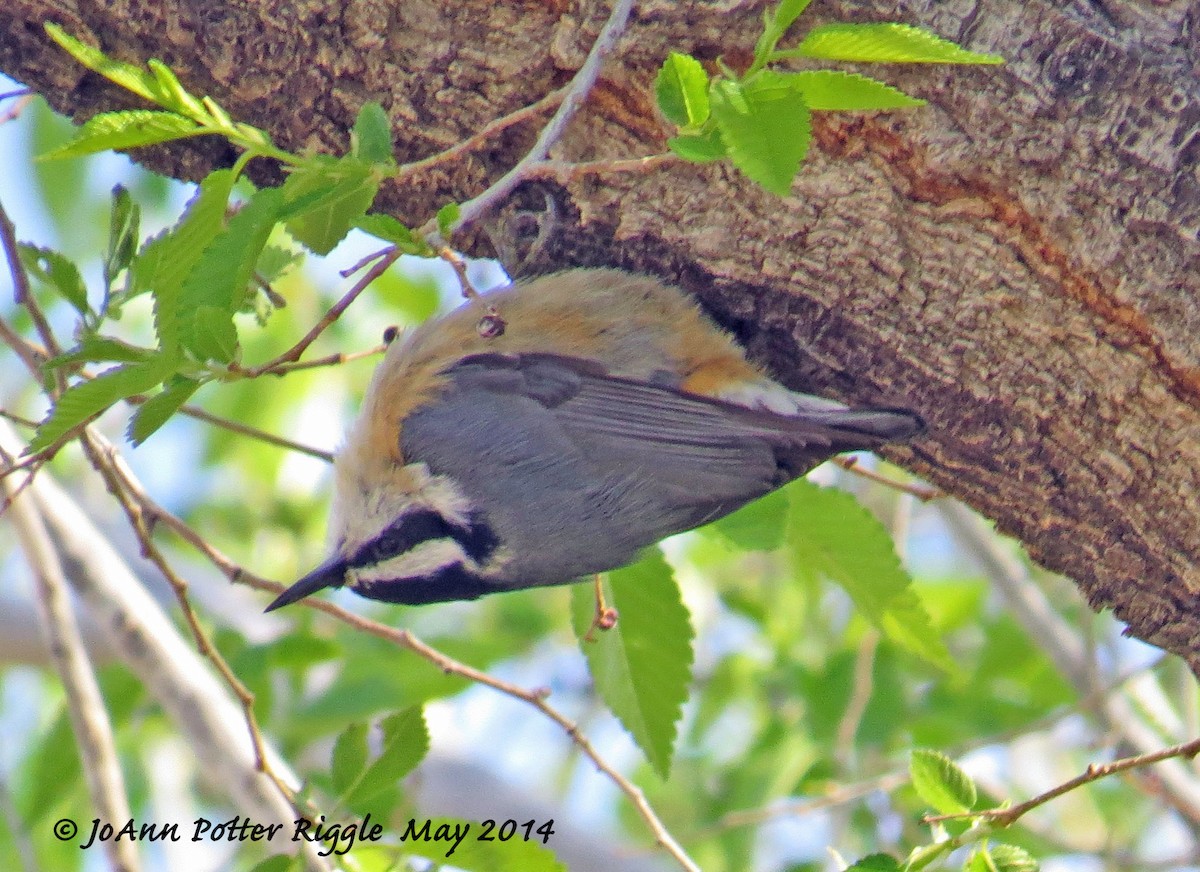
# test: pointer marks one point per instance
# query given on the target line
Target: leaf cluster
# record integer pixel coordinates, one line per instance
(761, 119)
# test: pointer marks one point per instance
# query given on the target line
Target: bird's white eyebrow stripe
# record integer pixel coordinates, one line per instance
(475, 538)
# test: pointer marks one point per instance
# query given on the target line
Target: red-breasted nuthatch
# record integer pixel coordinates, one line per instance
(609, 414)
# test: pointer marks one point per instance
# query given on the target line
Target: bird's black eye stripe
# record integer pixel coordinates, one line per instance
(477, 539)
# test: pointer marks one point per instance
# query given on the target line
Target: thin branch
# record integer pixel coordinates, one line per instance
(21, 291)
(107, 461)
(85, 703)
(1006, 817)
(383, 260)
(838, 795)
(925, 493)
(481, 136)
(564, 171)
(30, 355)
(254, 433)
(576, 93)
(13, 112)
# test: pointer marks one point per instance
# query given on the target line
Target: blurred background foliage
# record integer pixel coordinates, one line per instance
(795, 736)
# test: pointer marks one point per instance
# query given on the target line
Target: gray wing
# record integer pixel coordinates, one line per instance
(614, 462)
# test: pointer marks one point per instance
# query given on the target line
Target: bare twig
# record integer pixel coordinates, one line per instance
(1005, 817)
(85, 704)
(564, 171)
(30, 355)
(576, 93)
(925, 493)
(482, 135)
(383, 260)
(21, 291)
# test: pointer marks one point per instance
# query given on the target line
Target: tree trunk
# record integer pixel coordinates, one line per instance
(1017, 260)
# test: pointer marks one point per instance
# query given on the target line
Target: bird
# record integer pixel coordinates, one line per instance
(590, 414)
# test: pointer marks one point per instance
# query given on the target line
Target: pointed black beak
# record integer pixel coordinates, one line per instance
(331, 573)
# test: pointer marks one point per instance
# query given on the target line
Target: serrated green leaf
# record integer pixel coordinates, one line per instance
(325, 198)
(128, 76)
(940, 782)
(275, 261)
(84, 401)
(371, 139)
(123, 230)
(167, 259)
(404, 743)
(642, 666)
(885, 43)
(765, 126)
(349, 756)
(832, 90)
(157, 410)
(703, 148)
(56, 270)
(476, 853)
(1004, 858)
(172, 94)
(219, 280)
(388, 228)
(758, 526)
(447, 218)
(875, 863)
(682, 90)
(211, 334)
(775, 25)
(831, 534)
(128, 128)
(93, 348)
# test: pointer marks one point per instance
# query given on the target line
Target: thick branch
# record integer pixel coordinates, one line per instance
(1017, 260)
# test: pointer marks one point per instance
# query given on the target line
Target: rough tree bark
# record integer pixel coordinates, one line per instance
(1018, 260)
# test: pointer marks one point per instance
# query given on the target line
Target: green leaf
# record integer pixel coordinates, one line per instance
(389, 229)
(875, 863)
(831, 534)
(173, 95)
(84, 401)
(325, 198)
(774, 27)
(95, 348)
(682, 90)
(826, 90)
(218, 282)
(279, 863)
(940, 782)
(51, 763)
(1003, 858)
(349, 756)
(404, 744)
(886, 43)
(497, 850)
(123, 229)
(157, 410)
(642, 666)
(168, 259)
(447, 218)
(371, 139)
(211, 334)
(766, 127)
(703, 148)
(128, 128)
(56, 270)
(128, 76)
(758, 526)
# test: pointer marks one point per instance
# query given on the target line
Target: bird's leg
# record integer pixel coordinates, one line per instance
(605, 617)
